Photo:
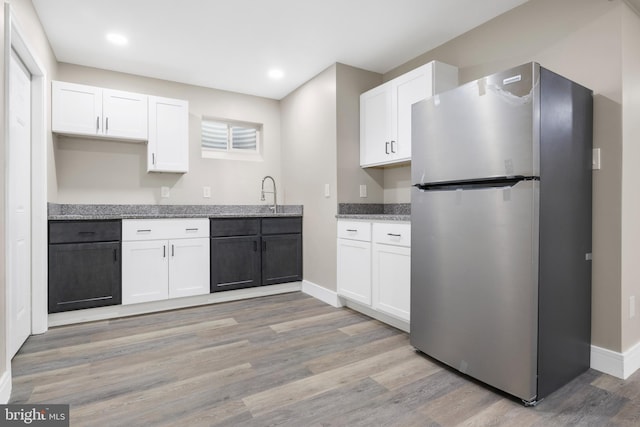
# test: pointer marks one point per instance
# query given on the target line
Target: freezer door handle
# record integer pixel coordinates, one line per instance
(474, 184)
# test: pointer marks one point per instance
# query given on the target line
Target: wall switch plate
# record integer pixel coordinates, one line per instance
(595, 161)
(206, 192)
(164, 192)
(363, 190)
(327, 190)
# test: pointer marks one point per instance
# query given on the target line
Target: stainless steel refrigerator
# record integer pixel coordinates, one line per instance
(501, 230)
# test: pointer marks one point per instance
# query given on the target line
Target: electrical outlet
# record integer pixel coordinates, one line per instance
(363, 190)
(164, 192)
(206, 192)
(327, 190)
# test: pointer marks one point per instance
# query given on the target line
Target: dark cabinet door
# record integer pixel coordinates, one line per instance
(84, 275)
(281, 258)
(235, 263)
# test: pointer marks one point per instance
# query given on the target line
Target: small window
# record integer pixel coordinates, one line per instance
(230, 140)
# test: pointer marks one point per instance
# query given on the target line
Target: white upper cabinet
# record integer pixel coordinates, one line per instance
(385, 112)
(124, 114)
(92, 111)
(168, 149)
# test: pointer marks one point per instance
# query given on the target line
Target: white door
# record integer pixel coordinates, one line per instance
(354, 270)
(145, 275)
(19, 209)
(76, 108)
(124, 114)
(391, 279)
(375, 125)
(168, 135)
(188, 267)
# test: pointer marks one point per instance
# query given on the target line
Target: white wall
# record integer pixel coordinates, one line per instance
(99, 171)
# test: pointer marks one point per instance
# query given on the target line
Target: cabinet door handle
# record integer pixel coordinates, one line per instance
(115, 255)
(392, 150)
(264, 246)
(98, 123)
(255, 246)
(394, 235)
(386, 147)
(153, 158)
(164, 251)
(106, 127)
(173, 250)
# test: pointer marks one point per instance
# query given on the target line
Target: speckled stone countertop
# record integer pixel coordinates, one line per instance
(375, 211)
(73, 212)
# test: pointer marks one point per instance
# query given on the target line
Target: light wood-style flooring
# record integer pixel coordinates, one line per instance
(287, 360)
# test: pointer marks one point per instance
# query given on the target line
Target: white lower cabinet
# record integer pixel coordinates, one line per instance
(164, 258)
(391, 275)
(374, 266)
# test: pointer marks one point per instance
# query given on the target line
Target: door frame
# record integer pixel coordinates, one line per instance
(15, 39)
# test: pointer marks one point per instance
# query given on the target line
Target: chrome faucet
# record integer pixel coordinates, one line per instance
(274, 208)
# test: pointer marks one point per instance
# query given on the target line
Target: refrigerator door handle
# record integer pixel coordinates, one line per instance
(475, 184)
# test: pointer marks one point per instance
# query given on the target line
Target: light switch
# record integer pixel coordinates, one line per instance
(327, 190)
(595, 162)
(206, 192)
(164, 192)
(363, 190)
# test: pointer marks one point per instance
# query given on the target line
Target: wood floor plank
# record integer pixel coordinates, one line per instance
(282, 360)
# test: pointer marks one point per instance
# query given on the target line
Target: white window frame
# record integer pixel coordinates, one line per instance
(231, 153)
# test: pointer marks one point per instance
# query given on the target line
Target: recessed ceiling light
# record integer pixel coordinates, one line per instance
(276, 74)
(117, 39)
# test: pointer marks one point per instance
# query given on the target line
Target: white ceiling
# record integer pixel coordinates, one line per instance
(231, 44)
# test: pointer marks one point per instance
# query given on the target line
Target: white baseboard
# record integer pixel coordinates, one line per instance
(385, 318)
(5, 387)
(619, 365)
(115, 311)
(323, 294)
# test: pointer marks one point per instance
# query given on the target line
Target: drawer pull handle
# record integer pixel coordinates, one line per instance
(191, 229)
(351, 230)
(144, 231)
(394, 235)
(86, 233)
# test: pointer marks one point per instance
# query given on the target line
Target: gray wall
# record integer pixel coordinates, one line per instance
(351, 82)
(580, 39)
(308, 164)
(101, 171)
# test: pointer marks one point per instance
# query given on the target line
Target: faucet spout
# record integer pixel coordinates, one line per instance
(273, 207)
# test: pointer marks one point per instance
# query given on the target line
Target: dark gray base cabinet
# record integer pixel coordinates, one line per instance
(252, 252)
(281, 258)
(83, 272)
(236, 263)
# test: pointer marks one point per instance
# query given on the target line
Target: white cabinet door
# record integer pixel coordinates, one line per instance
(188, 267)
(375, 125)
(391, 279)
(385, 112)
(168, 149)
(124, 114)
(145, 275)
(76, 109)
(354, 270)
(408, 89)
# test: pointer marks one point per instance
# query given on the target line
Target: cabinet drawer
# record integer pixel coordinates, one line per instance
(84, 231)
(227, 227)
(392, 234)
(155, 229)
(281, 225)
(354, 230)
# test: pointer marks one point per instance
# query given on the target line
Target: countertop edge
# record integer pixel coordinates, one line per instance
(89, 217)
(376, 217)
